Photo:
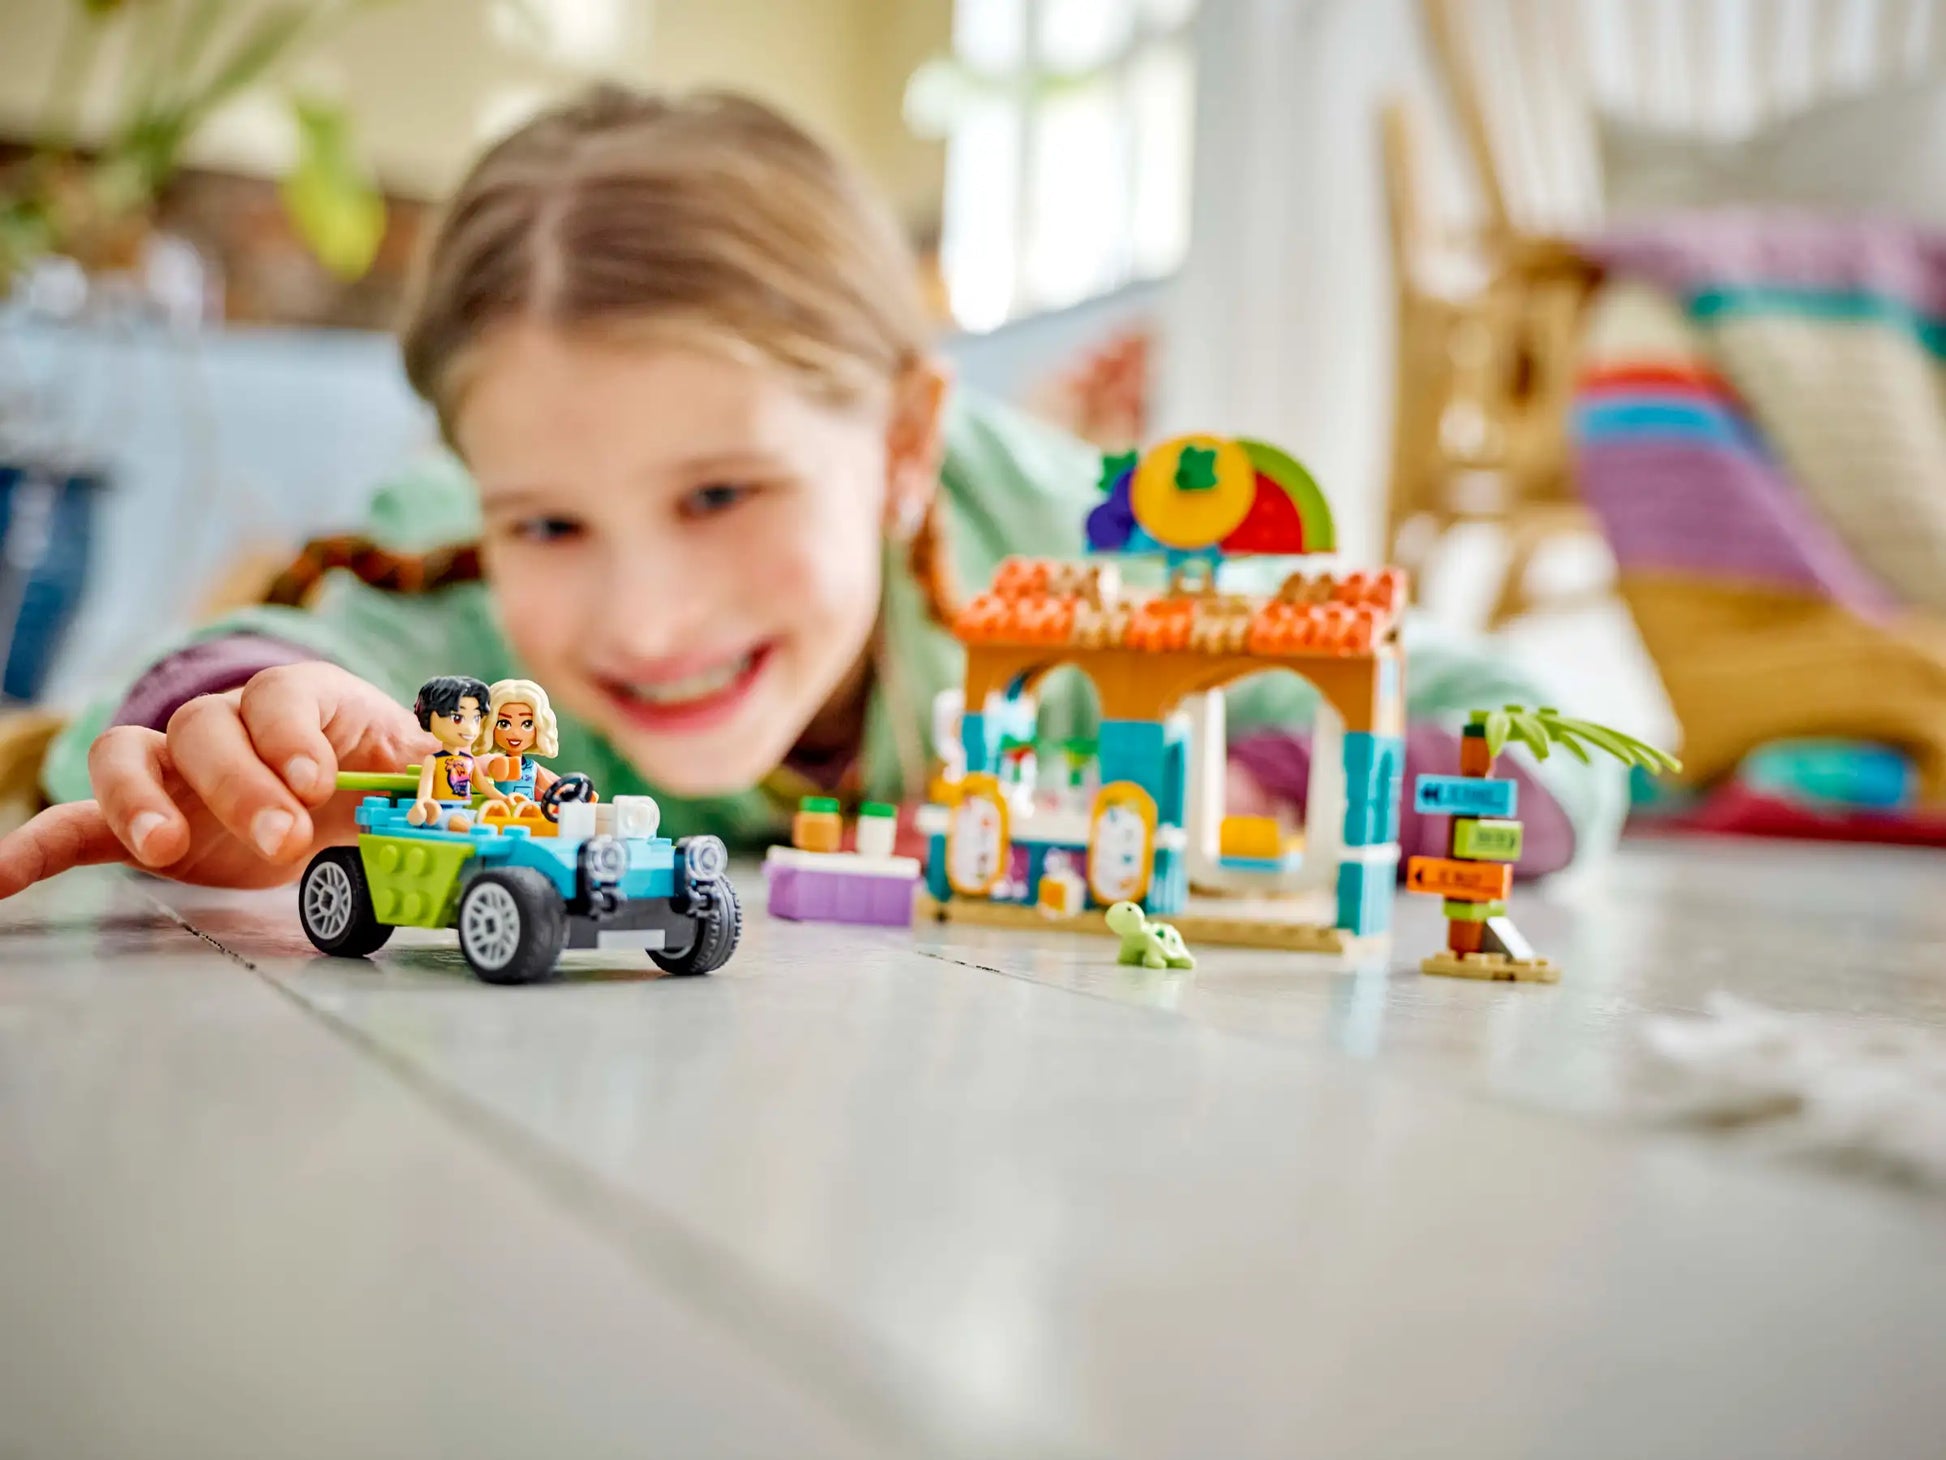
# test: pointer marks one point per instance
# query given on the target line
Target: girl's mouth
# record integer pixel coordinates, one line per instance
(695, 700)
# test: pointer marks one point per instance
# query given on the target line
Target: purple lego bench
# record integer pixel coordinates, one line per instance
(841, 887)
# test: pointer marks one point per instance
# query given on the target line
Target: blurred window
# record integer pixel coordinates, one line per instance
(1067, 171)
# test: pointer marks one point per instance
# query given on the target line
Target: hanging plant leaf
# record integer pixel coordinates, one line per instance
(25, 235)
(262, 46)
(331, 201)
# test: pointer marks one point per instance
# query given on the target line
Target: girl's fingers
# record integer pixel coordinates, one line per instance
(212, 752)
(367, 728)
(284, 716)
(126, 767)
(72, 835)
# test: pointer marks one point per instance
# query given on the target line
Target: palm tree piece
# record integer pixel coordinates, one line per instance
(1541, 730)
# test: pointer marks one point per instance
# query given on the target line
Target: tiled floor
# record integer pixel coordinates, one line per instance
(973, 1194)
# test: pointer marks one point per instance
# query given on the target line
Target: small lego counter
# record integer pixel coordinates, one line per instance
(1046, 859)
(840, 887)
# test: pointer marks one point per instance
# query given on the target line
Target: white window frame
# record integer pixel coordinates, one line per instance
(1027, 94)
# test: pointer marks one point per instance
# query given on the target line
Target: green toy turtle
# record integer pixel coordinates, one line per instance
(1153, 945)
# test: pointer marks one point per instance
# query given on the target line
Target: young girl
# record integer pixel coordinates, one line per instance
(682, 353)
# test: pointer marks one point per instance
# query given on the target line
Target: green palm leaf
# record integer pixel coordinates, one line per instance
(1540, 730)
(1599, 736)
(1531, 731)
(1575, 748)
(1625, 748)
(1497, 726)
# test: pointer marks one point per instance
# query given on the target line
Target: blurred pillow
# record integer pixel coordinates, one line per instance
(1876, 152)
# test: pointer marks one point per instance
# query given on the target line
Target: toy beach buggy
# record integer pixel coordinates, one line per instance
(522, 880)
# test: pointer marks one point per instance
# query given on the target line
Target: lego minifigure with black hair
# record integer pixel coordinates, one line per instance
(452, 708)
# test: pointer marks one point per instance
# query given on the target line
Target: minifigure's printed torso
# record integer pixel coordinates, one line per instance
(452, 777)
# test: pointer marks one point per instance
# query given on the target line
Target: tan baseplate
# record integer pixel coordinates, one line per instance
(1195, 927)
(1493, 966)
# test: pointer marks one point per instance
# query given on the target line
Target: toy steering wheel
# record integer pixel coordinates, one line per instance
(565, 791)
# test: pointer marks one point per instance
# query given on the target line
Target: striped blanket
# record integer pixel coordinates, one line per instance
(1760, 426)
(1764, 400)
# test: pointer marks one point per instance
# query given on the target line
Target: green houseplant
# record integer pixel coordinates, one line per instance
(174, 64)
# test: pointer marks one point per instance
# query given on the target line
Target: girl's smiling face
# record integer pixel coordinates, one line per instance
(684, 546)
(513, 728)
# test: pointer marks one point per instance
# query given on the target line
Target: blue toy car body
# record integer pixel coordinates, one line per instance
(517, 898)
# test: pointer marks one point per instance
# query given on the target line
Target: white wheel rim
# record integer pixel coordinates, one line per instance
(707, 857)
(327, 902)
(489, 926)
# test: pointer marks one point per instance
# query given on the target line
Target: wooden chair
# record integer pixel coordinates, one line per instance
(24, 738)
(1490, 289)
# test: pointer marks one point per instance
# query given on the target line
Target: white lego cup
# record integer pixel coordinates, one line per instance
(876, 835)
(636, 816)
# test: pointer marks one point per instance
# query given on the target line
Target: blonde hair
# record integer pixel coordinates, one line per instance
(547, 729)
(706, 218)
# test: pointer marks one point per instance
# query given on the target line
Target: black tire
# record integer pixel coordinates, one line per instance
(719, 923)
(334, 903)
(511, 926)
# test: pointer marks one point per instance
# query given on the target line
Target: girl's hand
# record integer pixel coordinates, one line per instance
(238, 792)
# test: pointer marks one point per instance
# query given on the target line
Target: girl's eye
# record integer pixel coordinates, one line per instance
(714, 499)
(547, 529)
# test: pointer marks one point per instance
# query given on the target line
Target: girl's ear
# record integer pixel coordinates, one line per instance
(915, 444)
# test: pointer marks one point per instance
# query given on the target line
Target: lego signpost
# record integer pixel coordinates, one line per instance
(1476, 876)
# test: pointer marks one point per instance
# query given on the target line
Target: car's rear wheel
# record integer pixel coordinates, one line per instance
(512, 926)
(719, 923)
(334, 903)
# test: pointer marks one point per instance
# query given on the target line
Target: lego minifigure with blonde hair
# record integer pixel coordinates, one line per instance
(519, 729)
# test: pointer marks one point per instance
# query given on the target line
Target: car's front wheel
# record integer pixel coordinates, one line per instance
(334, 903)
(512, 926)
(718, 921)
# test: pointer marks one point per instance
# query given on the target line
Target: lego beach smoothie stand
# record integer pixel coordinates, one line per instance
(1150, 825)
(1153, 822)
(442, 846)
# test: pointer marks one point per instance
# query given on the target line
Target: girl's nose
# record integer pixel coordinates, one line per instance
(653, 603)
